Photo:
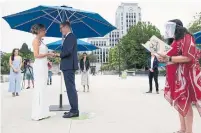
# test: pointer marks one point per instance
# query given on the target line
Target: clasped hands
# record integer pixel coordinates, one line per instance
(52, 54)
(16, 70)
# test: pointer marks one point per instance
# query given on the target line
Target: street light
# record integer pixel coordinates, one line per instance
(119, 58)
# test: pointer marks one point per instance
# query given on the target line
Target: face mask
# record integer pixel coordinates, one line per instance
(169, 30)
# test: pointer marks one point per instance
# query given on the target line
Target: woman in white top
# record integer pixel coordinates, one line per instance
(84, 67)
(40, 108)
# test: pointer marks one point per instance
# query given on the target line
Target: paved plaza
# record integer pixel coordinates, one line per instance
(113, 105)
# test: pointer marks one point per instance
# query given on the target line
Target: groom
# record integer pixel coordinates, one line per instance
(69, 64)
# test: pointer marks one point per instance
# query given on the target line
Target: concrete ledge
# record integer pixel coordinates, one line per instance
(4, 78)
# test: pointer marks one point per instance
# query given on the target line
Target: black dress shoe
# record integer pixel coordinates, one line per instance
(149, 92)
(28, 88)
(71, 115)
(65, 113)
(157, 92)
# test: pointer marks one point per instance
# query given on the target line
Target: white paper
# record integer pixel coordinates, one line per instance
(155, 45)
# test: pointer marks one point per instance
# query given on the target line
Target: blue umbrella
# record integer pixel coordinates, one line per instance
(81, 46)
(197, 37)
(84, 24)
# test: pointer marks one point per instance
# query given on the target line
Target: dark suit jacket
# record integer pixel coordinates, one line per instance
(68, 55)
(155, 63)
(87, 64)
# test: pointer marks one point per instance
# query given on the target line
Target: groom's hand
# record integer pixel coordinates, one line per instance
(57, 54)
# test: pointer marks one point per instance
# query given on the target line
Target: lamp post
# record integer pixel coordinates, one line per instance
(119, 57)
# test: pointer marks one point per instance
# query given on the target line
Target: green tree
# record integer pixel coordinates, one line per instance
(24, 48)
(5, 67)
(132, 52)
(114, 59)
(195, 25)
(25, 52)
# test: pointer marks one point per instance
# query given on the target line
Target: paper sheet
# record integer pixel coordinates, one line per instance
(155, 45)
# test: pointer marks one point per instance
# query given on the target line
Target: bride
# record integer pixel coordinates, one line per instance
(40, 109)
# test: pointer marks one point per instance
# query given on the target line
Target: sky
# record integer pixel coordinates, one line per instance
(155, 11)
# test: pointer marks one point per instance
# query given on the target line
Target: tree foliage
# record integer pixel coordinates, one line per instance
(132, 53)
(5, 68)
(25, 52)
(114, 59)
(195, 25)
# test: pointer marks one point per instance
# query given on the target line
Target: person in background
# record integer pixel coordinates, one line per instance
(49, 81)
(84, 67)
(15, 62)
(153, 72)
(29, 74)
(182, 86)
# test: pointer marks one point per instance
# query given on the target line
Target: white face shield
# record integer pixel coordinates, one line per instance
(169, 30)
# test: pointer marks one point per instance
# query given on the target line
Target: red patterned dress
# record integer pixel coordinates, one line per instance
(183, 80)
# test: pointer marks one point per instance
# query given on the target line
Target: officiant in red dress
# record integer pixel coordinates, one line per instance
(183, 78)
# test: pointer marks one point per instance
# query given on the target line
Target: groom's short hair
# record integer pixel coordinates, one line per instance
(65, 23)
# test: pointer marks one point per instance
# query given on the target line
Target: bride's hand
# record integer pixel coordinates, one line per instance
(51, 54)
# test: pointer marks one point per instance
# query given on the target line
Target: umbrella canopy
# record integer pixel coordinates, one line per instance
(197, 36)
(81, 46)
(84, 24)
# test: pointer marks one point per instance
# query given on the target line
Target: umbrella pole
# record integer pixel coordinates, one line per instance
(60, 107)
(61, 96)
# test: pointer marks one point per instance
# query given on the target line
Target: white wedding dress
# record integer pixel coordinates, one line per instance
(40, 108)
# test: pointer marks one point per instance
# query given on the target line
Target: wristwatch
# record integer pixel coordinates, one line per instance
(170, 59)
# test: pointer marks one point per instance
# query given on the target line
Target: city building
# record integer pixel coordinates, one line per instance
(127, 15)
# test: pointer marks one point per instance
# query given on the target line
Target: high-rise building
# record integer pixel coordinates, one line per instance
(127, 15)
